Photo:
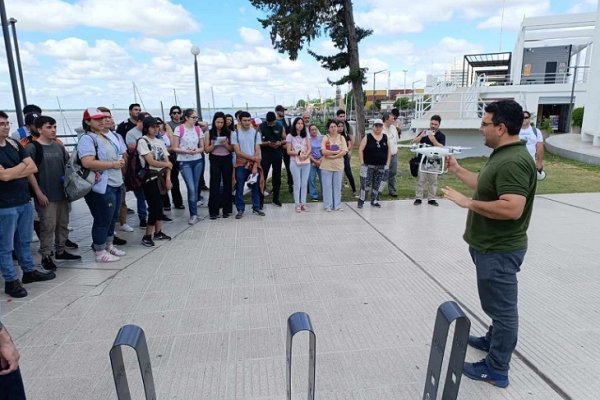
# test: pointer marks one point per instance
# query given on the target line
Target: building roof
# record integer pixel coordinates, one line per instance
(488, 60)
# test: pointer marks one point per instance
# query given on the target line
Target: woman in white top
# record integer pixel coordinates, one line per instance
(298, 148)
(188, 143)
(154, 157)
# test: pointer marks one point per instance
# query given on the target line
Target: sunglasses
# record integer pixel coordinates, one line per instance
(176, 112)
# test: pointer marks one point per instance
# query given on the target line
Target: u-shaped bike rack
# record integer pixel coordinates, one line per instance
(299, 322)
(447, 313)
(134, 337)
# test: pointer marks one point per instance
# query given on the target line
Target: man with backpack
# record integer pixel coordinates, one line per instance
(533, 140)
(31, 112)
(16, 214)
(51, 204)
(131, 139)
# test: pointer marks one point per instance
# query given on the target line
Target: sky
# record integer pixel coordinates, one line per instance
(84, 53)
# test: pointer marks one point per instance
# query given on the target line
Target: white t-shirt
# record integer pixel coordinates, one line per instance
(189, 140)
(157, 148)
(531, 139)
(392, 134)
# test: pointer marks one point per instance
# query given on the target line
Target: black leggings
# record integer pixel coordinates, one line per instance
(154, 200)
(221, 170)
(348, 172)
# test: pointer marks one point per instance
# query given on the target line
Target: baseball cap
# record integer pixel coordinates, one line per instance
(149, 121)
(30, 118)
(271, 116)
(142, 116)
(280, 108)
(92, 113)
(377, 121)
(257, 121)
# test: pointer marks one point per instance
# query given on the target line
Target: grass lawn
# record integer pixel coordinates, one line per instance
(562, 176)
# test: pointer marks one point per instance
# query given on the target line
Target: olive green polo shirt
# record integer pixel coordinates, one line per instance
(509, 170)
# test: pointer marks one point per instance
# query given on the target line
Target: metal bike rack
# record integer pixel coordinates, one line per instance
(446, 314)
(134, 337)
(298, 322)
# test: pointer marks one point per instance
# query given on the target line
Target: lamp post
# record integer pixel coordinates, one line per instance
(413, 96)
(11, 64)
(404, 87)
(374, 77)
(195, 50)
(13, 22)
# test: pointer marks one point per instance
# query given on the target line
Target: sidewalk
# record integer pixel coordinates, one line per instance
(214, 302)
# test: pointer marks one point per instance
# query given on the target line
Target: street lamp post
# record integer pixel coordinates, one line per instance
(413, 97)
(13, 22)
(374, 75)
(195, 50)
(11, 63)
(404, 87)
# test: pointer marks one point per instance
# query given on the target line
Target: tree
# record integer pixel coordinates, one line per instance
(301, 104)
(404, 103)
(294, 23)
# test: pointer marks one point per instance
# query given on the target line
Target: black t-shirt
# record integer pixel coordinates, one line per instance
(375, 153)
(270, 134)
(16, 192)
(439, 136)
(125, 127)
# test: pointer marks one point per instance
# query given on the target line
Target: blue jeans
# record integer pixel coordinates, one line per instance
(312, 182)
(16, 229)
(191, 170)
(498, 293)
(241, 174)
(142, 210)
(103, 208)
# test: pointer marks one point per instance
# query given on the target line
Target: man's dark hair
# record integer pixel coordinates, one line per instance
(396, 112)
(385, 116)
(3, 115)
(104, 109)
(32, 108)
(526, 112)
(173, 108)
(507, 112)
(340, 112)
(42, 120)
(132, 105)
(237, 114)
(244, 114)
(436, 118)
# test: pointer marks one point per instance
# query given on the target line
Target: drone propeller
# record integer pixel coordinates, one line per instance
(459, 148)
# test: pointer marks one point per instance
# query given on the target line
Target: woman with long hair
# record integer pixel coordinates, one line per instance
(221, 167)
(188, 143)
(155, 157)
(347, 168)
(101, 155)
(333, 148)
(298, 148)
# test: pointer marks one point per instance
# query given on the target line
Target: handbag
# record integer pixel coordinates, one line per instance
(78, 180)
(414, 163)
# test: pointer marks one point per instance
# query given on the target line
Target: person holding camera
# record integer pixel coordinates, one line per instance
(431, 137)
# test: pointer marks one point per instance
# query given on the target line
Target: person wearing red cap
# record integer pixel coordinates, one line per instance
(99, 154)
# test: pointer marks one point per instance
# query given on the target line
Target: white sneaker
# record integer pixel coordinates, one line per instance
(193, 220)
(105, 257)
(116, 252)
(126, 228)
(265, 193)
(34, 238)
(70, 228)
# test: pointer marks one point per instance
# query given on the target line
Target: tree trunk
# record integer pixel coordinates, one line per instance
(355, 72)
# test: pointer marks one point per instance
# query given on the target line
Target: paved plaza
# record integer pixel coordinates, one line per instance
(214, 303)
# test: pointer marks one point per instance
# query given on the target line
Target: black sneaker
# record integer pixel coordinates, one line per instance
(130, 211)
(239, 215)
(417, 202)
(147, 241)
(258, 212)
(226, 215)
(15, 289)
(168, 208)
(117, 241)
(433, 203)
(38, 276)
(213, 217)
(375, 204)
(65, 255)
(277, 203)
(180, 207)
(48, 264)
(161, 236)
(360, 203)
(71, 245)
(165, 218)
(394, 194)
(143, 224)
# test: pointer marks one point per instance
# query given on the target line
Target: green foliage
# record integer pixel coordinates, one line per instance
(404, 103)
(577, 116)
(301, 103)
(546, 126)
(349, 98)
(377, 104)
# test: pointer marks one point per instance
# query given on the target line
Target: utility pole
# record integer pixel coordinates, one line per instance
(11, 65)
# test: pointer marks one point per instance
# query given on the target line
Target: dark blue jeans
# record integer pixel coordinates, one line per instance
(16, 227)
(498, 293)
(104, 209)
(241, 174)
(11, 386)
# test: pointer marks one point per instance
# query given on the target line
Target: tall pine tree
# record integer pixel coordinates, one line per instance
(295, 23)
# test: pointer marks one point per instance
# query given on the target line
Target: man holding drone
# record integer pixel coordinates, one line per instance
(496, 232)
(431, 137)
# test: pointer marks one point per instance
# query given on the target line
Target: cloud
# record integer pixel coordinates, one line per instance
(583, 6)
(400, 48)
(251, 36)
(514, 14)
(150, 17)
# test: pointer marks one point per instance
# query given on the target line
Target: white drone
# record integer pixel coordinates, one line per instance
(434, 155)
